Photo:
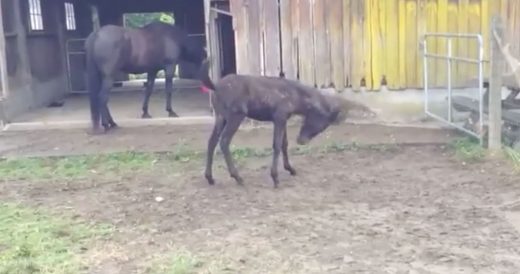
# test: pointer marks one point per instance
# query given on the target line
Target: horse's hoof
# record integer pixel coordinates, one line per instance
(172, 114)
(114, 125)
(146, 116)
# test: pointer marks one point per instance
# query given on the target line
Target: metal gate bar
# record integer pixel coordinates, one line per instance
(450, 59)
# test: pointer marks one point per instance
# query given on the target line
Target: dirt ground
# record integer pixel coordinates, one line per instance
(165, 138)
(411, 208)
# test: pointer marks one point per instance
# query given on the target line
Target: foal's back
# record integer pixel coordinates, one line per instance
(260, 97)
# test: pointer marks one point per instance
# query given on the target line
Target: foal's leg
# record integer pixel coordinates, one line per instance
(150, 82)
(212, 143)
(232, 124)
(111, 122)
(168, 71)
(278, 137)
(285, 153)
(106, 118)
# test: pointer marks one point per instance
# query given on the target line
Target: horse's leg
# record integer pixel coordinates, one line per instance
(232, 124)
(278, 144)
(212, 144)
(286, 164)
(106, 118)
(168, 71)
(150, 82)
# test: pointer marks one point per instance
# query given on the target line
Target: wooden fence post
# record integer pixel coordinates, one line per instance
(4, 85)
(495, 86)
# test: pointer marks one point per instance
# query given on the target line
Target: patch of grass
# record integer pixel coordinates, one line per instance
(469, 150)
(181, 263)
(73, 166)
(113, 164)
(514, 156)
(34, 242)
(240, 153)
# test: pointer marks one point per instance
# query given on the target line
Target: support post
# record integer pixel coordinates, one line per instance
(3, 64)
(495, 86)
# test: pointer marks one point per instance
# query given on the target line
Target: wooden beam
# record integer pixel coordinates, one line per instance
(495, 86)
(4, 88)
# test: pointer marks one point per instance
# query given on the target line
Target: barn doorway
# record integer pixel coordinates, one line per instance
(226, 44)
(138, 20)
(76, 20)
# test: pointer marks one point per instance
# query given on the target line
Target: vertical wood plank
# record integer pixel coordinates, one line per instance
(474, 18)
(254, 49)
(402, 43)
(347, 42)
(295, 21)
(287, 39)
(432, 27)
(411, 42)
(321, 45)
(306, 42)
(367, 39)
(375, 74)
(462, 69)
(442, 26)
(241, 35)
(358, 43)
(422, 19)
(270, 36)
(455, 22)
(485, 15)
(335, 37)
(391, 44)
(514, 38)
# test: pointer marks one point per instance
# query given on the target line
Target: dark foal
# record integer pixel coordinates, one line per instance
(273, 99)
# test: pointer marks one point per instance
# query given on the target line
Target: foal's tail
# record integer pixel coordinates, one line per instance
(204, 75)
(94, 79)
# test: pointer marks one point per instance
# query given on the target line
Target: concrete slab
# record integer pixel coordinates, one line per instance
(404, 107)
(125, 104)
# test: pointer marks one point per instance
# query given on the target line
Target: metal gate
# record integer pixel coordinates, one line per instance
(76, 65)
(475, 106)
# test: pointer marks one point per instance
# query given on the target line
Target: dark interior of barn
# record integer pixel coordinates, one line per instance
(45, 56)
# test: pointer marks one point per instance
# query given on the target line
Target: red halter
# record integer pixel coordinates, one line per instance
(204, 89)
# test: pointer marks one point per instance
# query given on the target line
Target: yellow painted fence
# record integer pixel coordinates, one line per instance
(363, 42)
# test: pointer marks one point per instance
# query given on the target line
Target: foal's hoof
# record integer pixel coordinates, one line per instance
(239, 180)
(172, 114)
(210, 180)
(146, 116)
(292, 171)
(96, 131)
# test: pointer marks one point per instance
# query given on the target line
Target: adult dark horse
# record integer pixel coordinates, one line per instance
(154, 47)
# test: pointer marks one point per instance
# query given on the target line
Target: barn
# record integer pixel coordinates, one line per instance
(43, 58)
(326, 43)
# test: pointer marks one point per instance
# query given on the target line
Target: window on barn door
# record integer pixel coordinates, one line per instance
(70, 18)
(35, 15)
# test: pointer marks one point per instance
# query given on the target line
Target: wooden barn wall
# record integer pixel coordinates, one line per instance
(354, 43)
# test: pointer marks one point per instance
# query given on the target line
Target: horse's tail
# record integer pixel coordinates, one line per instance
(204, 75)
(94, 79)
